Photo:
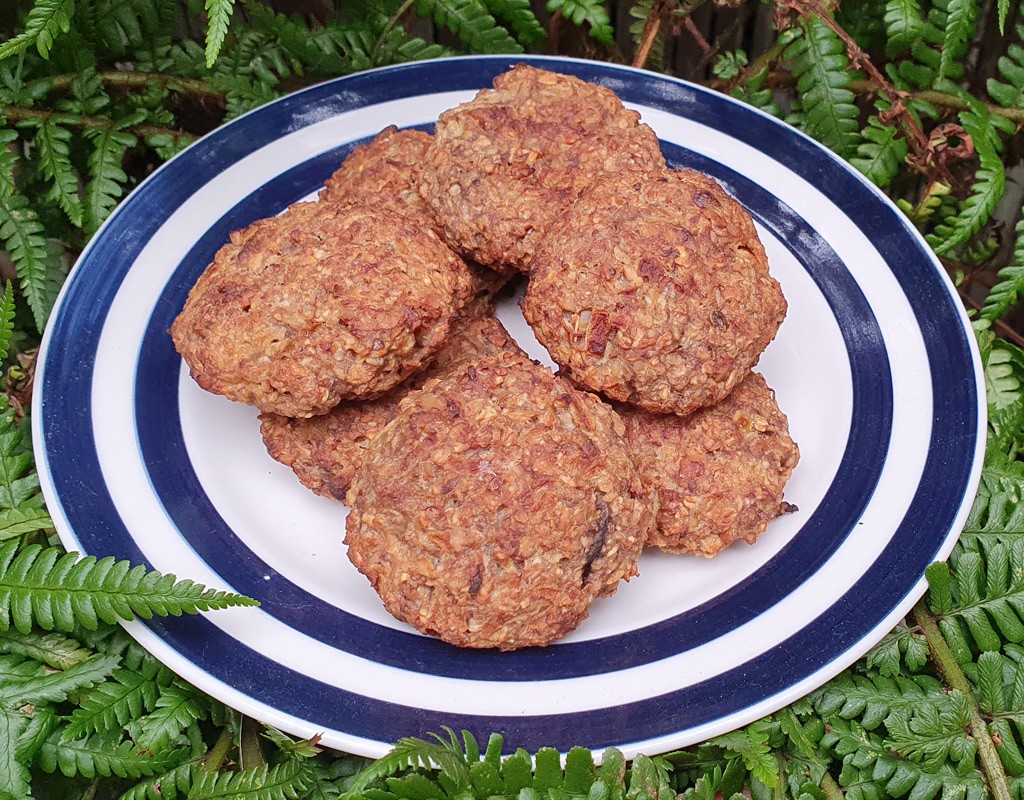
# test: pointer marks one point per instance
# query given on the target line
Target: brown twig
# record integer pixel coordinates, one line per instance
(136, 80)
(19, 114)
(652, 26)
(691, 28)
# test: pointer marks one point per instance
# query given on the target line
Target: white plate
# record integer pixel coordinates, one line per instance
(875, 366)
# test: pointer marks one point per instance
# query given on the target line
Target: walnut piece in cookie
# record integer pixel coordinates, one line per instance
(719, 473)
(654, 290)
(505, 165)
(317, 305)
(497, 506)
(325, 451)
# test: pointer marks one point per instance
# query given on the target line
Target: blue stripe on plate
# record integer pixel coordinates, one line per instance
(198, 521)
(70, 460)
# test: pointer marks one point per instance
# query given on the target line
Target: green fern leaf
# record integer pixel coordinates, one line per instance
(757, 93)
(54, 650)
(104, 755)
(55, 164)
(1010, 286)
(7, 310)
(997, 515)
(900, 646)
(988, 189)
(46, 21)
(822, 69)
(174, 710)
(519, 16)
(881, 154)
(111, 705)
(960, 21)
(586, 12)
(219, 15)
(469, 20)
(412, 753)
(8, 162)
(287, 781)
(54, 687)
(21, 231)
(872, 697)
(903, 24)
(19, 521)
(19, 484)
(107, 178)
(175, 784)
(751, 744)
(56, 590)
(933, 735)
(15, 777)
(1011, 67)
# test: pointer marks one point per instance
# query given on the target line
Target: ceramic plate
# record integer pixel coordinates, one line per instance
(875, 367)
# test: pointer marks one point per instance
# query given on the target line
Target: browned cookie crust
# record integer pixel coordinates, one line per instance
(325, 451)
(719, 473)
(317, 305)
(654, 289)
(383, 174)
(507, 164)
(497, 506)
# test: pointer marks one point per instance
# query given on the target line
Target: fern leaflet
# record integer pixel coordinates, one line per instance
(57, 590)
(998, 511)
(988, 190)
(14, 774)
(881, 153)
(54, 650)
(219, 15)
(589, 12)
(287, 781)
(960, 22)
(16, 522)
(934, 734)
(872, 697)
(46, 21)
(104, 754)
(21, 231)
(111, 705)
(53, 687)
(751, 744)
(901, 643)
(469, 20)
(107, 178)
(1011, 67)
(174, 710)
(6, 330)
(8, 162)
(823, 74)
(19, 484)
(175, 784)
(903, 24)
(519, 16)
(55, 164)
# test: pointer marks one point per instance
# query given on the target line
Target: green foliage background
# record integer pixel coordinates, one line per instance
(924, 97)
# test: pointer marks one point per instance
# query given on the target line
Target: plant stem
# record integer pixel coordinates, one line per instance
(944, 100)
(21, 114)
(219, 752)
(388, 28)
(955, 678)
(133, 80)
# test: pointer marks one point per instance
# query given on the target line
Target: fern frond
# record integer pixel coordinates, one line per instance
(175, 784)
(287, 781)
(19, 484)
(57, 590)
(105, 755)
(960, 22)
(8, 162)
(639, 11)
(27, 519)
(54, 650)
(107, 178)
(881, 153)
(751, 744)
(934, 735)
(872, 697)
(55, 164)
(519, 17)
(988, 189)
(7, 310)
(586, 12)
(999, 681)
(1011, 67)
(218, 14)
(413, 753)
(469, 20)
(1010, 286)
(54, 687)
(997, 514)
(898, 647)
(174, 710)
(757, 93)
(903, 25)
(113, 704)
(15, 778)
(820, 64)
(21, 231)
(47, 20)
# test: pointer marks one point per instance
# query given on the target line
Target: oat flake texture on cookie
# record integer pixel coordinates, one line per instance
(320, 304)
